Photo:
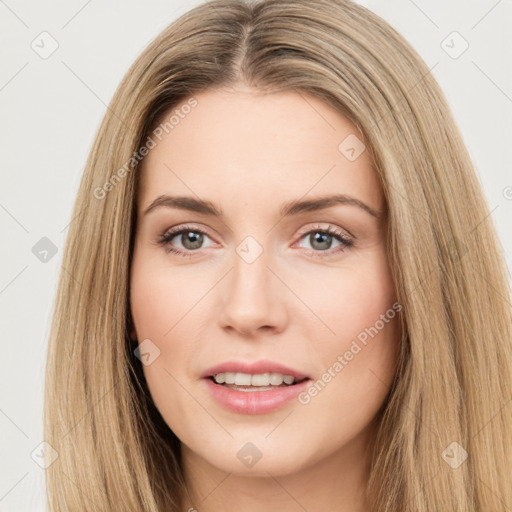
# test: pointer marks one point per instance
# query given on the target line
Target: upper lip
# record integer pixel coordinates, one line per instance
(256, 367)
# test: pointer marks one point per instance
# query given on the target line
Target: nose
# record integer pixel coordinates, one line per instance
(252, 298)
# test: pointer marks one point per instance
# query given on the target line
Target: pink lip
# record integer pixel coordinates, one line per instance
(254, 402)
(262, 366)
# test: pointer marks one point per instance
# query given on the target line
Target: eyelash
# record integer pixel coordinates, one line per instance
(167, 236)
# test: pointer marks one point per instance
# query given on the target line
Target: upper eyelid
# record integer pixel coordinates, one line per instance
(329, 225)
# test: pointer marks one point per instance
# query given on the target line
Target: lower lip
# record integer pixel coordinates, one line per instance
(254, 402)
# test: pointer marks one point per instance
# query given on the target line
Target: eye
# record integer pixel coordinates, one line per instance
(321, 241)
(190, 237)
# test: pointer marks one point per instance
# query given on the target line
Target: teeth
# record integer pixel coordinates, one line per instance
(220, 378)
(242, 379)
(247, 379)
(261, 379)
(276, 379)
(229, 378)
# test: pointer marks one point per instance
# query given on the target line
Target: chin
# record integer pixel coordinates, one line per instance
(256, 455)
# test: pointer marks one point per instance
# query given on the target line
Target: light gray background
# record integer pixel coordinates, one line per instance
(51, 109)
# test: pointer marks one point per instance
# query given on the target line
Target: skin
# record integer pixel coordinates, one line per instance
(249, 153)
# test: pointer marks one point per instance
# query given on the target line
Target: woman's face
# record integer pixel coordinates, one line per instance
(272, 277)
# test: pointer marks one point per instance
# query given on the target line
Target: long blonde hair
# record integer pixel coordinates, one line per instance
(451, 395)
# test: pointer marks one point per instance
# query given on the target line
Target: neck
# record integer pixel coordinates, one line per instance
(336, 482)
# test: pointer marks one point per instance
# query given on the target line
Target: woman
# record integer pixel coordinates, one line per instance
(203, 358)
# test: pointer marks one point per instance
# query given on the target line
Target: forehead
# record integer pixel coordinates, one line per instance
(241, 144)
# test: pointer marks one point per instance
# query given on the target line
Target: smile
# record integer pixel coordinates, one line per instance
(254, 388)
(254, 382)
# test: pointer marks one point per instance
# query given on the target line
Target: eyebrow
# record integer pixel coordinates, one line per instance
(288, 209)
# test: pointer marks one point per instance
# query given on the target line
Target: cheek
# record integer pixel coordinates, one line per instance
(358, 354)
(348, 299)
(165, 307)
(160, 298)
(156, 308)
(357, 372)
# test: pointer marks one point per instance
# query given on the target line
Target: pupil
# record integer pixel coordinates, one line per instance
(324, 239)
(192, 240)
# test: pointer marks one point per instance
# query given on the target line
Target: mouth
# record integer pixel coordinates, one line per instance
(254, 388)
(247, 382)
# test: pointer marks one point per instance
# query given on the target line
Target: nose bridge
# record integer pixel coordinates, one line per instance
(252, 298)
(250, 278)
(250, 273)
